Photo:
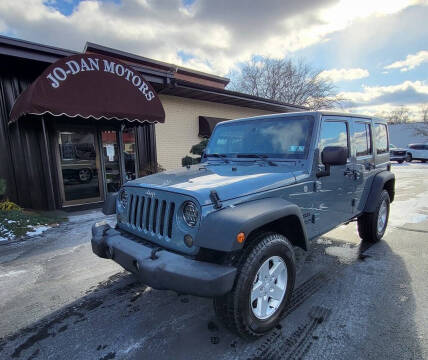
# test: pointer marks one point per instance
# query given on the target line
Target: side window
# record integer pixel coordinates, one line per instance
(333, 133)
(362, 139)
(381, 135)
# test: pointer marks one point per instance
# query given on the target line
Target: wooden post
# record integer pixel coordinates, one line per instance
(50, 192)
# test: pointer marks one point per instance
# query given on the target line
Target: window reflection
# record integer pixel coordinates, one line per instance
(129, 153)
(333, 133)
(381, 138)
(362, 139)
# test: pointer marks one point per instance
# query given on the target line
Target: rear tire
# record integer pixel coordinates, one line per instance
(400, 161)
(372, 226)
(263, 287)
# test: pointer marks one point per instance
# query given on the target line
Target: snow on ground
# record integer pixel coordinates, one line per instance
(346, 254)
(37, 230)
(5, 234)
(403, 134)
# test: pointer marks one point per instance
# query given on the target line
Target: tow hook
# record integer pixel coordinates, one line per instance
(153, 255)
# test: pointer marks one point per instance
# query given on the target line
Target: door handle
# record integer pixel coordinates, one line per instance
(354, 174)
(348, 172)
(368, 166)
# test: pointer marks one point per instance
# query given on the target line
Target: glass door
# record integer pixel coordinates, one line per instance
(111, 157)
(79, 166)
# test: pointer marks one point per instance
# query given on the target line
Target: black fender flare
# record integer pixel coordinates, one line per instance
(378, 184)
(218, 230)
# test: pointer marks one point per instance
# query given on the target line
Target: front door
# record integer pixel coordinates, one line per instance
(79, 166)
(335, 192)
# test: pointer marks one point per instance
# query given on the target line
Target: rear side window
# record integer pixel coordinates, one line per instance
(381, 135)
(333, 133)
(362, 139)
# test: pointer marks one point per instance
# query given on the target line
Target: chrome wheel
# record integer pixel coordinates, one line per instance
(269, 288)
(382, 217)
(85, 175)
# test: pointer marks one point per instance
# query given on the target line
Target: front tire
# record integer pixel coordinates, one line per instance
(263, 286)
(400, 161)
(409, 158)
(372, 226)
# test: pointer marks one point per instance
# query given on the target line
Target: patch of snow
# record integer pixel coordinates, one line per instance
(11, 221)
(37, 230)
(6, 234)
(12, 273)
(345, 254)
(411, 211)
(323, 241)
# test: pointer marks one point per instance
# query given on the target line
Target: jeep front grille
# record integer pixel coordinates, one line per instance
(153, 215)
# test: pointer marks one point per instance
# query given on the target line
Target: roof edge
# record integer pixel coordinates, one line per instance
(89, 46)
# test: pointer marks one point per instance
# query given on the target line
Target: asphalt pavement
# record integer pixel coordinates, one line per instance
(351, 301)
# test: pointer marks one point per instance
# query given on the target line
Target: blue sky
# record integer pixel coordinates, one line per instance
(375, 51)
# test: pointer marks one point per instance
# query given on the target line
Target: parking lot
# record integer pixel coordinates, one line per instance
(351, 301)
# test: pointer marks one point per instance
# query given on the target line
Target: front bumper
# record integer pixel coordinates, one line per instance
(396, 157)
(165, 270)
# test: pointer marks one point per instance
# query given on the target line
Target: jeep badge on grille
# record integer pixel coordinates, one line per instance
(150, 194)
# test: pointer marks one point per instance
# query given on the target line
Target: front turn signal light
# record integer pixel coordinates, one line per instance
(240, 237)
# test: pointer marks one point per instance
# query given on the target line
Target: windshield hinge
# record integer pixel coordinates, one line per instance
(215, 199)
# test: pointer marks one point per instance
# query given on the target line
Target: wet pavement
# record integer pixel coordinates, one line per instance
(351, 301)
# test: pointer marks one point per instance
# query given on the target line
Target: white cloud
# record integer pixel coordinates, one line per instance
(336, 75)
(217, 34)
(383, 99)
(410, 62)
(406, 92)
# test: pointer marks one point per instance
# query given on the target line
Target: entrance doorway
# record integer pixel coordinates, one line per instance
(79, 166)
(94, 162)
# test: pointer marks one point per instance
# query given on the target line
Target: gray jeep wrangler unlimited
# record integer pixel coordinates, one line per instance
(226, 228)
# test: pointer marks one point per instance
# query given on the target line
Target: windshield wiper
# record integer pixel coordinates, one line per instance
(258, 156)
(220, 156)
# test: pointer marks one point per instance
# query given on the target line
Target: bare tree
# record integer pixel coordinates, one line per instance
(424, 111)
(285, 80)
(399, 115)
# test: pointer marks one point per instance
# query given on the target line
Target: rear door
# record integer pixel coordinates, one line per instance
(364, 160)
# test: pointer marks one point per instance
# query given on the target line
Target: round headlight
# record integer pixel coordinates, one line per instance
(190, 213)
(123, 198)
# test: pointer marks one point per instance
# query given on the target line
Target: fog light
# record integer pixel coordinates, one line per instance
(188, 240)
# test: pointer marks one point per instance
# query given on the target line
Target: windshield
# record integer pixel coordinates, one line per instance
(280, 137)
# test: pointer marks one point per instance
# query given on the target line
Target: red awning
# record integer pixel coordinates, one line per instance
(91, 85)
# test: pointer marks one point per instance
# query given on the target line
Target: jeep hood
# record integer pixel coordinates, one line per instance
(229, 181)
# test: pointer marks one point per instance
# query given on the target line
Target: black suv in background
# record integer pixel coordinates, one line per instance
(398, 154)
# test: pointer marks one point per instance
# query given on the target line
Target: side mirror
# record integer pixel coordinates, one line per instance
(331, 156)
(109, 206)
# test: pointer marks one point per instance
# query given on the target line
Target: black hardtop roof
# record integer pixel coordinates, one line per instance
(317, 113)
